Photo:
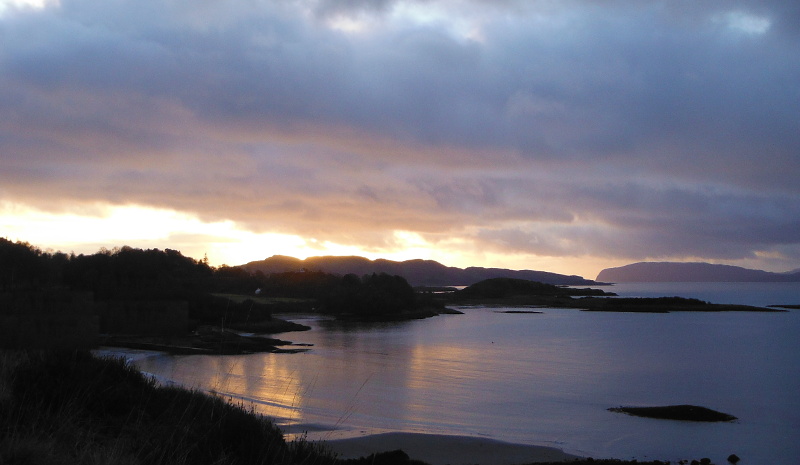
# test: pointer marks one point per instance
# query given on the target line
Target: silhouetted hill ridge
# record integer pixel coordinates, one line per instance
(418, 272)
(690, 272)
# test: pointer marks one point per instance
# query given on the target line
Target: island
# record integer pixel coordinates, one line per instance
(691, 272)
(676, 412)
(518, 292)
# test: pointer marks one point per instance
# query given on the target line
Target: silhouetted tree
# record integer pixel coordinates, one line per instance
(302, 284)
(129, 273)
(374, 295)
(21, 265)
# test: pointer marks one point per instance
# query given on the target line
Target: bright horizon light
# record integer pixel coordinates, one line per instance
(104, 226)
(99, 226)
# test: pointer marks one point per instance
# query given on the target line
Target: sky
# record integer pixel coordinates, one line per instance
(557, 135)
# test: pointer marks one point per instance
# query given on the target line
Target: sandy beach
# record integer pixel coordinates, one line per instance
(447, 450)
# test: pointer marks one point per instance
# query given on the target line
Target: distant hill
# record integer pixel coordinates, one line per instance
(690, 272)
(416, 272)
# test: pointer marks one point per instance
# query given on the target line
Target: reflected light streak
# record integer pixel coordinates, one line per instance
(433, 366)
(259, 381)
(278, 388)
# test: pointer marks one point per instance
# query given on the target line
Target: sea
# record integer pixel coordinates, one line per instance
(544, 378)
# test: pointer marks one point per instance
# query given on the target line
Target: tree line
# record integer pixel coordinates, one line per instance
(128, 273)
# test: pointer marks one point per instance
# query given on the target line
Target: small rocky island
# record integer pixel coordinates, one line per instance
(676, 412)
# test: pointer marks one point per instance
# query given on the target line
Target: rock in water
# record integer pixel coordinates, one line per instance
(676, 412)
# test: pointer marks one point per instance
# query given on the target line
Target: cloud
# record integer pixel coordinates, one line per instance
(621, 129)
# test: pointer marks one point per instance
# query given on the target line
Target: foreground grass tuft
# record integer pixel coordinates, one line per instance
(69, 407)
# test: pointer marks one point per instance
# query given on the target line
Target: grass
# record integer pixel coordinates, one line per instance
(69, 407)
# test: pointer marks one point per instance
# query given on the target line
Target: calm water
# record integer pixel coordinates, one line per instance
(758, 294)
(543, 379)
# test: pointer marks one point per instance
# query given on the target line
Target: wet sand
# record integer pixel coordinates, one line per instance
(447, 450)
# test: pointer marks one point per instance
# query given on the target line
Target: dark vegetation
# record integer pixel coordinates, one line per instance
(676, 412)
(69, 407)
(360, 297)
(165, 296)
(134, 274)
(520, 291)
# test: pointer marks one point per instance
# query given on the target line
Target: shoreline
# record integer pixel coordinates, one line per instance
(446, 450)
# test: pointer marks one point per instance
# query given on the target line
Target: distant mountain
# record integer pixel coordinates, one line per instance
(416, 272)
(690, 272)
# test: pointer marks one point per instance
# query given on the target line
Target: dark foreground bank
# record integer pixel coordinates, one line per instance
(68, 407)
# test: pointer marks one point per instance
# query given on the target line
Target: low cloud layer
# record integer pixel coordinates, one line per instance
(618, 130)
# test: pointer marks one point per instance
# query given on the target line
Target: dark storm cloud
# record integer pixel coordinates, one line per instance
(637, 221)
(619, 128)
